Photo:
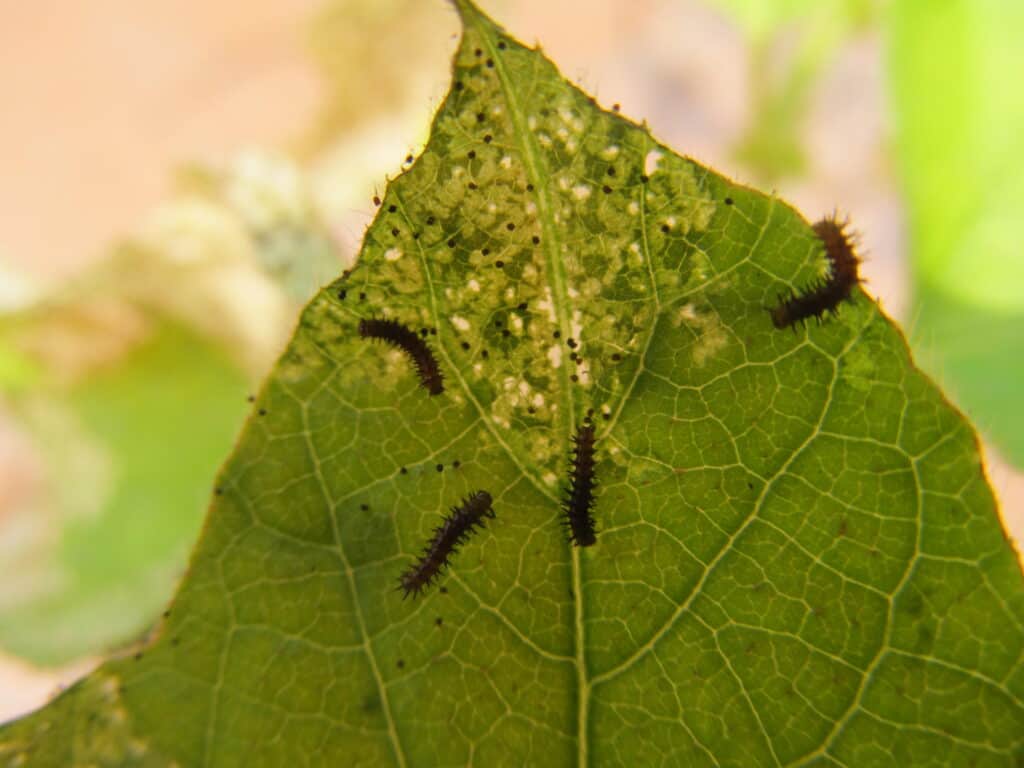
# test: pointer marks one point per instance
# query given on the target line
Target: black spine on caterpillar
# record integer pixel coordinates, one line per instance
(824, 295)
(579, 500)
(451, 534)
(398, 335)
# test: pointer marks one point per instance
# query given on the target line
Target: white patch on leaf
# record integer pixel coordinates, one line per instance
(651, 162)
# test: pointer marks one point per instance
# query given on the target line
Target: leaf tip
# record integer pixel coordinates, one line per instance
(464, 8)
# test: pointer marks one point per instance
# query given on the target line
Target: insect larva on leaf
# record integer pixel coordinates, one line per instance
(579, 500)
(398, 335)
(451, 534)
(823, 295)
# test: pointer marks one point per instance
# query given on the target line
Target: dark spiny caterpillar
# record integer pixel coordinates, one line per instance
(579, 500)
(825, 294)
(448, 537)
(396, 334)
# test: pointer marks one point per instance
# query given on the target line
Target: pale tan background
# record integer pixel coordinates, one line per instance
(101, 99)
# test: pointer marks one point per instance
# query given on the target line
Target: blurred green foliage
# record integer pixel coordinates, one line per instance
(955, 73)
(129, 382)
(791, 43)
(156, 424)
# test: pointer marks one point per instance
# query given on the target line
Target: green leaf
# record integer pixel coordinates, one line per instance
(798, 558)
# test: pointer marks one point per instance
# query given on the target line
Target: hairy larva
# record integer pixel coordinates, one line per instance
(451, 534)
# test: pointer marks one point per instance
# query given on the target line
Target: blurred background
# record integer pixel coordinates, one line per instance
(177, 178)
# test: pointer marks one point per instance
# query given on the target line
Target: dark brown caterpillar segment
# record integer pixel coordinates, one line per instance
(579, 501)
(448, 537)
(826, 294)
(396, 334)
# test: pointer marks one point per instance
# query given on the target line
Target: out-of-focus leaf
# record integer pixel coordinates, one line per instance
(959, 109)
(129, 455)
(270, 198)
(130, 380)
(798, 560)
(791, 43)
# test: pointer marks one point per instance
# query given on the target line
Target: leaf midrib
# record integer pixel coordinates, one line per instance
(555, 270)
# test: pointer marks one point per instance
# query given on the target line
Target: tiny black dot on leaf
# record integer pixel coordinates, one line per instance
(529, 187)
(616, 357)
(499, 264)
(502, 46)
(728, 201)
(616, 107)
(506, 332)
(478, 52)
(536, 240)
(472, 185)
(458, 85)
(401, 663)
(557, 334)
(666, 228)
(402, 471)
(484, 354)
(465, 345)
(451, 242)
(456, 464)
(480, 117)
(571, 342)
(430, 219)
(342, 294)
(488, 138)
(364, 507)
(611, 171)
(510, 226)
(394, 231)
(443, 590)
(392, 208)
(376, 200)
(472, 154)
(440, 467)
(606, 189)
(408, 158)
(574, 378)
(485, 251)
(606, 416)
(262, 411)
(251, 398)
(490, 63)
(644, 179)
(362, 297)
(438, 621)
(522, 306)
